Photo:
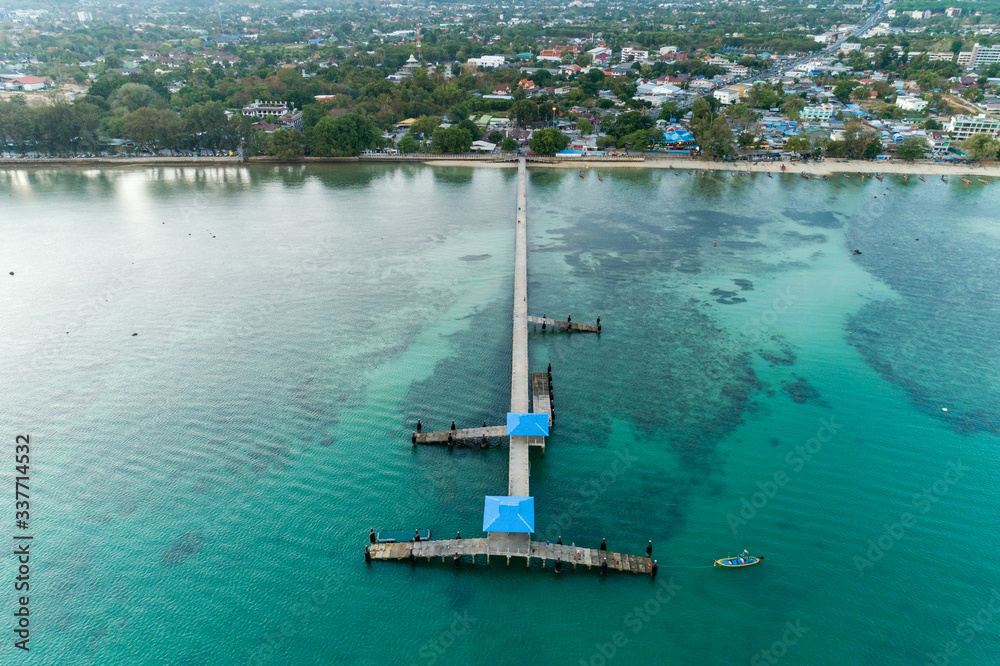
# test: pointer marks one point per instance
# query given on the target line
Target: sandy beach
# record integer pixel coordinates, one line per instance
(823, 168)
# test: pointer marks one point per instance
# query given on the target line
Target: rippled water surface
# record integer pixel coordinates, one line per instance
(220, 369)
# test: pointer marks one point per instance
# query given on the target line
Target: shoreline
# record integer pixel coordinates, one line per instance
(823, 168)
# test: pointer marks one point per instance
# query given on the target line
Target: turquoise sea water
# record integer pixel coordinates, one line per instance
(201, 492)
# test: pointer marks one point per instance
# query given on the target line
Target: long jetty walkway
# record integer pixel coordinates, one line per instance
(514, 544)
(466, 550)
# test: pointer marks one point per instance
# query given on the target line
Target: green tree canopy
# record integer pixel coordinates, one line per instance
(913, 148)
(842, 91)
(286, 145)
(342, 136)
(451, 140)
(548, 141)
(981, 147)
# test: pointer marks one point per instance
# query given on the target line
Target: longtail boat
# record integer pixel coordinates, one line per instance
(879, 176)
(804, 175)
(984, 182)
(744, 560)
(944, 178)
(922, 179)
(966, 181)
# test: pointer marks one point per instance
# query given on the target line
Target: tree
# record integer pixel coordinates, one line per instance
(495, 137)
(342, 136)
(509, 144)
(913, 148)
(408, 144)
(524, 111)
(792, 105)
(981, 147)
(799, 144)
(286, 145)
(842, 91)
(152, 128)
(626, 123)
(584, 126)
(132, 96)
(716, 139)
(451, 140)
(548, 141)
(670, 111)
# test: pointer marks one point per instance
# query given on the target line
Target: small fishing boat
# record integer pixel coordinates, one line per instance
(922, 179)
(944, 178)
(702, 174)
(689, 173)
(826, 178)
(804, 175)
(984, 182)
(402, 536)
(847, 176)
(581, 174)
(879, 176)
(769, 175)
(600, 177)
(744, 560)
(905, 178)
(966, 181)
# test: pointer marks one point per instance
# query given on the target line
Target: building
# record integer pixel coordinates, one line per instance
(850, 46)
(984, 55)
(964, 58)
(818, 113)
(962, 127)
(911, 103)
(946, 56)
(28, 83)
(727, 96)
(488, 61)
(263, 109)
(953, 12)
(634, 55)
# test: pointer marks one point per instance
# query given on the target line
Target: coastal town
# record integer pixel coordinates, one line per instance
(716, 81)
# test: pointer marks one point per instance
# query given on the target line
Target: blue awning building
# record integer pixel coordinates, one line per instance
(509, 514)
(527, 425)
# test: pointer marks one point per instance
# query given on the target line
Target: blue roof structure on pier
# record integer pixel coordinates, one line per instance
(527, 425)
(509, 514)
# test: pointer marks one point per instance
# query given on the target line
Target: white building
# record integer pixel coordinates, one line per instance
(727, 96)
(664, 50)
(634, 55)
(489, 61)
(911, 103)
(263, 109)
(850, 46)
(962, 127)
(984, 55)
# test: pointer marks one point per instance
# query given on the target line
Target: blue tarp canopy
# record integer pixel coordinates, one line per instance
(527, 425)
(509, 514)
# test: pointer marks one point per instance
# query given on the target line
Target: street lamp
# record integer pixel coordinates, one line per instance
(553, 116)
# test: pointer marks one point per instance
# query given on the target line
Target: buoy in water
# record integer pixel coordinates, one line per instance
(944, 409)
